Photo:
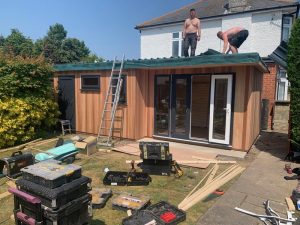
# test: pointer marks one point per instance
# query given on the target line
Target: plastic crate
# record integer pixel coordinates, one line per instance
(157, 167)
(118, 178)
(163, 208)
(11, 166)
(50, 174)
(141, 217)
(154, 150)
(57, 197)
(76, 212)
(126, 201)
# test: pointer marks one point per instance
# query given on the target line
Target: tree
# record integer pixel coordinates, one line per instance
(294, 79)
(57, 48)
(92, 58)
(17, 44)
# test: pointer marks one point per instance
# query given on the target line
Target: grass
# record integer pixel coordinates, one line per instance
(170, 189)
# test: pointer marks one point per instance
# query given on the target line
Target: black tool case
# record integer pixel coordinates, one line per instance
(157, 167)
(154, 150)
(11, 166)
(51, 174)
(118, 178)
(57, 197)
(76, 212)
(100, 196)
(140, 217)
(162, 207)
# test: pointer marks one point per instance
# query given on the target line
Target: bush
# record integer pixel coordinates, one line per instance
(294, 79)
(21, 119)
(27, 104)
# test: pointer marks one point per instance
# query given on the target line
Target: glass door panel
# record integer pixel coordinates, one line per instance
(181, 88)
(220, 109)
(162, 105)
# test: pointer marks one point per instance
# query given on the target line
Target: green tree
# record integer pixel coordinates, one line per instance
(27, 103)
(57, 48)
(92, 58)
(17, 44)
(294, 79)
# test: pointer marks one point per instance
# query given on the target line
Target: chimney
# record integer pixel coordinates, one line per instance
(237, 5)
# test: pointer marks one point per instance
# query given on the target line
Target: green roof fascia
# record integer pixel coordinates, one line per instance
(201, 60)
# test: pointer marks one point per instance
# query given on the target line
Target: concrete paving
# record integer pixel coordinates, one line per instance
(261, 181)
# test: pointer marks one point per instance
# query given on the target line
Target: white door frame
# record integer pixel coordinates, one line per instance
(228, 109)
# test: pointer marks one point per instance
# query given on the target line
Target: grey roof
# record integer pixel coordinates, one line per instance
(280, 55)
(213, 8)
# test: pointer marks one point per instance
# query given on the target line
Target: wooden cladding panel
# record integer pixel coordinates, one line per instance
(138, 113)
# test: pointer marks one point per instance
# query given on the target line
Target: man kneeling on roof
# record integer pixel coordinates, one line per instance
(235, 37)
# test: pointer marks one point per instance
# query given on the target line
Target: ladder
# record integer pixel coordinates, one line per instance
(111, 103)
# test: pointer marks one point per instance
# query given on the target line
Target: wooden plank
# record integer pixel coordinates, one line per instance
(212, 175)
(208, 189)
(290, 204)
(4, 195)
(199, 183)
(224, 173)
(20, 146)
(11, 184)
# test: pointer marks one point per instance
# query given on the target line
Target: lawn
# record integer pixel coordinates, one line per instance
(170, 189)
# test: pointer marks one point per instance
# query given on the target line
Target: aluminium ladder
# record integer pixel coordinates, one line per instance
(111, 104)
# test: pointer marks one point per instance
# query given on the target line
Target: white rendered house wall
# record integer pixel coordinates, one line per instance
(264, 34)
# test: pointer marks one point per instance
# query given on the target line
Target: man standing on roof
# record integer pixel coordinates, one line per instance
(235, 37)
(191, 33)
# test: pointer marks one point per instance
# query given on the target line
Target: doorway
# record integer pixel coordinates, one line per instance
(66, 99)
(193, 107)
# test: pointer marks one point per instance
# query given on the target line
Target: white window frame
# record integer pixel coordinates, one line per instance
(289, 26)
(286, 85)
(179, 39)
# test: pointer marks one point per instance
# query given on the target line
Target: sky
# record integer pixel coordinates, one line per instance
(106, 26)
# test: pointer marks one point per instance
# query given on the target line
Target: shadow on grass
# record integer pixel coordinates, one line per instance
(97, 222)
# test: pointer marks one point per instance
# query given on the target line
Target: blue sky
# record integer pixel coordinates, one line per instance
(106, 26)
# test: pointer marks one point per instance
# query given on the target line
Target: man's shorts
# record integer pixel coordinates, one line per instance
(238, 39)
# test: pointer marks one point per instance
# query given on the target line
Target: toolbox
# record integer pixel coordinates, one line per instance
(161, 213)
(166, 213)
(76, 212)
(154, 150)
(51, 174)
(118, 178)
(126, 201)
(11, 166)
(100, 196)
(141, 217)
(157, 167)
(57, 197)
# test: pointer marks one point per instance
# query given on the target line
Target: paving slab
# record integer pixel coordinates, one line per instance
(261, 181)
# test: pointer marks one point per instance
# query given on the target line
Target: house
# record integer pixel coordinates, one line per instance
(268, 21)
(210, 99)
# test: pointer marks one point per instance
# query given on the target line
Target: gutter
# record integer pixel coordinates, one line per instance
(223, 15)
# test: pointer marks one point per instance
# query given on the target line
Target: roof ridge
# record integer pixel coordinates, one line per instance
(169, 13)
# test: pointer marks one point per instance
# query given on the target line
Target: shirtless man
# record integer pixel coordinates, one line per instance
(235, 37)
(191, 33)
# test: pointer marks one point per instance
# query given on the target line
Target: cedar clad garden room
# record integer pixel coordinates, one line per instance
(210, 99)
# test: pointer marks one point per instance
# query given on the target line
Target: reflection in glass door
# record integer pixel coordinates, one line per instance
(220, 109)
(180, 119)
(162, 102)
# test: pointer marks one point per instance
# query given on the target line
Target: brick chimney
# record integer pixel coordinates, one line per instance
(237, 5)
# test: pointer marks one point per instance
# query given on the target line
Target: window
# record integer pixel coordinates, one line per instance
(286, 27)
(282, 86)
(90, 82)
(176, 44)
(123, 97)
